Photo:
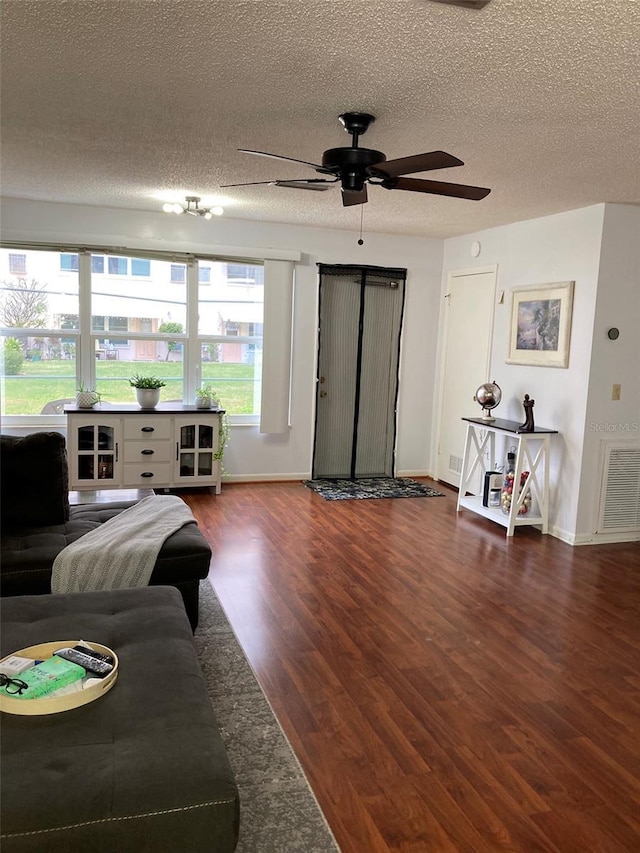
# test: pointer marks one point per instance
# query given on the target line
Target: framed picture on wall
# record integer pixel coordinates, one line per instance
(540, 330)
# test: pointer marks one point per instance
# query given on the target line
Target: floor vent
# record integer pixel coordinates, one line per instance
(620, 495)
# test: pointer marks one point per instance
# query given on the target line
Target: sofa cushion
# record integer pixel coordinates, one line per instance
(34, 480)
(28, 554)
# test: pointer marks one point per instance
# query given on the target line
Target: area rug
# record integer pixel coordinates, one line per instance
(278, 810)
(371, 487)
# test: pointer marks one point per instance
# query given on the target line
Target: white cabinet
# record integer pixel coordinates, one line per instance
(123, 447)
(196, 443)
(94, 461)
(532, 461)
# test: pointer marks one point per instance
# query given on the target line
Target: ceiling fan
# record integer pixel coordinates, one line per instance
(355, 167)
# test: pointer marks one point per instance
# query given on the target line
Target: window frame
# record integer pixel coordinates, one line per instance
(193, 343)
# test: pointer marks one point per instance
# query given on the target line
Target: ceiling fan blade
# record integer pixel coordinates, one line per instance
(279, 157)
(350, 197)
(417, 185)
(247, 184)
(416, 163)
(466, 4)
(317, 184)
(296, 183)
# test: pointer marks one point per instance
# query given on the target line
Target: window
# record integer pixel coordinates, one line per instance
(231, 311)
(68, 263)
(178, 273)
(117, 266)
(37, 368)
(69, 321)
(245, 274)
(111, 324)
(132, 329)
(139, 266)
(17, 264)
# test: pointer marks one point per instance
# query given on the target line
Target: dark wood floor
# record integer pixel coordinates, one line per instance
(444, 688)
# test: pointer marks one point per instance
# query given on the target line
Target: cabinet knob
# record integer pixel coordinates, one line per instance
(146, 474)
(147, 452)
(147, 429)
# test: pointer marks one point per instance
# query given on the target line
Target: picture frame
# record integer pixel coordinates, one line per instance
(540, 325)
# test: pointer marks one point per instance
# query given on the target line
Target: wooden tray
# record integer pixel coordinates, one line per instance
(55, 704)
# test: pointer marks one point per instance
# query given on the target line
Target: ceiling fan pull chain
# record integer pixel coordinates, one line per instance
(361, 241)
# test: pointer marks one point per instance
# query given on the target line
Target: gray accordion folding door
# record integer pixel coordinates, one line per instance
(361, 309)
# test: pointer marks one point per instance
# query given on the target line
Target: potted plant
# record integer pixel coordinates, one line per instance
(147, 390)
(86, 398)
(206, 397)
(224, 434)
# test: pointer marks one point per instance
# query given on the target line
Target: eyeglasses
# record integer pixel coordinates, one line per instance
(13, 686)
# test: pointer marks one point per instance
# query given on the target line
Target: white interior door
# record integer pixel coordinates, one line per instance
(469, 308)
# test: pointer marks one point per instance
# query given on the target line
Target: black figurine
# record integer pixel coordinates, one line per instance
(528, 425)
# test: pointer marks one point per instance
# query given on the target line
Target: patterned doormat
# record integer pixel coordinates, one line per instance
(371, 487)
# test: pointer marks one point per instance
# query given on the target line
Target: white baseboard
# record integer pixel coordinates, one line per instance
(265, 478)
(593, 538)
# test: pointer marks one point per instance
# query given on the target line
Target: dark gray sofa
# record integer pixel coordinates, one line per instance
(37, 523)
(143, 768)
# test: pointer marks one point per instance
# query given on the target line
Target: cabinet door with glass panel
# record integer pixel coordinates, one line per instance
(94, 451)
(197, 442)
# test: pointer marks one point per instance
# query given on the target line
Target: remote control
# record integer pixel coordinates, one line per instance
(88, 662)
(94, 654)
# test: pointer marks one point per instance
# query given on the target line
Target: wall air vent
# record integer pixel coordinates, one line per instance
(620, 491)
(455, 464)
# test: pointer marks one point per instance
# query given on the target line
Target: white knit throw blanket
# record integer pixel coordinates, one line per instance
(123, 551)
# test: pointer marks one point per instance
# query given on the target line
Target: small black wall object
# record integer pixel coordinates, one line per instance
(528, 425)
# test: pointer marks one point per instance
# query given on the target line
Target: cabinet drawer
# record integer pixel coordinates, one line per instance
(134, 474)
(144, 428)
(147, 452)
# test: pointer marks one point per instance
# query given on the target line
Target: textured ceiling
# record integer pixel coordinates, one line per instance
(123, 103)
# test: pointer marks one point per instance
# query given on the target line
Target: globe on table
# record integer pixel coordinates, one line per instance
(488, 395)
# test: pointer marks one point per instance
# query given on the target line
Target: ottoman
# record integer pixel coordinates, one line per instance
(143, 768)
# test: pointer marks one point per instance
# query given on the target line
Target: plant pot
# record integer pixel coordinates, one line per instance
(86, 399)
(148, 398)
(204, 402)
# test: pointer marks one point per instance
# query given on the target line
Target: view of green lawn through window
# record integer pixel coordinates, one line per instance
(41, 382)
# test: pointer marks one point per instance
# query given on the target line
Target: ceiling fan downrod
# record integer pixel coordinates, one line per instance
(356, 124)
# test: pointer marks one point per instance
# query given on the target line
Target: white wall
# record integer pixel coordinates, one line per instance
(617, 305)
(251, 455)
(564, 247)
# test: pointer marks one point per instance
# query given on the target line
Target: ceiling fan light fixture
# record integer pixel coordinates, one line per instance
(192, 207)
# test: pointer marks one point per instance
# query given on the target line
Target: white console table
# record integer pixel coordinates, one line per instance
(532, 455)
(114, 446)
